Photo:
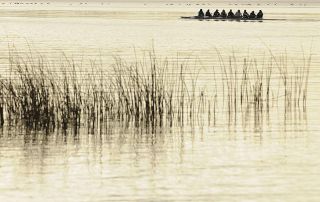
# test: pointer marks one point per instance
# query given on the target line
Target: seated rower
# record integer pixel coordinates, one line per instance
(238, 14)
(230, 14)
(252, 15)
(245, 14)
(223, 14)
(208, 14)
(216, 13)
(260, 14)
(200, 13)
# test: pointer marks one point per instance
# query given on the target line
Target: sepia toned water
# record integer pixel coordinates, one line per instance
(193, 162)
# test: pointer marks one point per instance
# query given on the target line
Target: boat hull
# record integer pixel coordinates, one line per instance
(223, 19)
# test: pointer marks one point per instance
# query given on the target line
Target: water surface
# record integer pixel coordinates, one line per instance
(278, 162)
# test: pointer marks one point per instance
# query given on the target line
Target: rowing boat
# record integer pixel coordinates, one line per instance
(224, 19)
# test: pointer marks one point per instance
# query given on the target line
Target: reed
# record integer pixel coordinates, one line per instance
(148, 92)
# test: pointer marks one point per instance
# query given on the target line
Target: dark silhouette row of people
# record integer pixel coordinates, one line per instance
(237, 15)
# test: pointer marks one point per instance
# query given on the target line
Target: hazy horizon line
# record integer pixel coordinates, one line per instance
(171, 1)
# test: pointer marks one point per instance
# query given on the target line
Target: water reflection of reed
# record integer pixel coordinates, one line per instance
(149, 92)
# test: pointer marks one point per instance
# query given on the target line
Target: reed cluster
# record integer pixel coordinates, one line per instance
(149, 91)
(251, 88)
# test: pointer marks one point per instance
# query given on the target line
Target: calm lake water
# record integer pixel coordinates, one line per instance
(194, 162)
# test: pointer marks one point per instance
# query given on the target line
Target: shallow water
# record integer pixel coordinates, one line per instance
(279, 162)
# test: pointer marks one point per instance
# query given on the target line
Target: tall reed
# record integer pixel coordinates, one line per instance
(151, 91)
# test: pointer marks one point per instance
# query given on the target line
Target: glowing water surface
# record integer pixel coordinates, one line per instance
(280, 162)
